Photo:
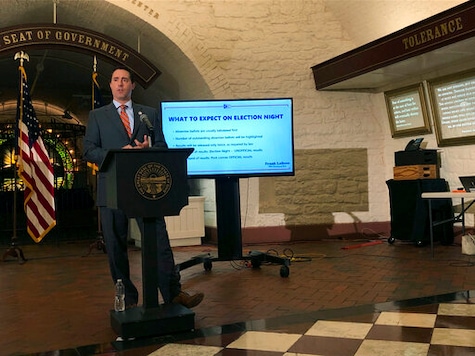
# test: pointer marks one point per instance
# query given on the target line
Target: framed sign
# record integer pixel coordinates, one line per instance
(407, 111)
(453, 107)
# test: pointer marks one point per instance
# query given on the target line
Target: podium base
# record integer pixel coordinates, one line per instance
(141, 322)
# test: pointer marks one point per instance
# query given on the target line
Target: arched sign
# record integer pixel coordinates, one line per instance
(13, 39)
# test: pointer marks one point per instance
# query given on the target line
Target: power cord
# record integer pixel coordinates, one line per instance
(289, 253)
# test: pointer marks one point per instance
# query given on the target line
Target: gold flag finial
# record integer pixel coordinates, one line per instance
(21, 56)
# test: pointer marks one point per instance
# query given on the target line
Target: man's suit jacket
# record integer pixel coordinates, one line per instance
(105, 131)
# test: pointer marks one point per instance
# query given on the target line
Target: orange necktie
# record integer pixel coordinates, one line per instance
(125, 119)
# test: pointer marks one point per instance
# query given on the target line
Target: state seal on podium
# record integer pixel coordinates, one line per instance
(153, 181)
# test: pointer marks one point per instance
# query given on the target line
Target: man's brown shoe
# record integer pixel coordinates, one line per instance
(187, 300)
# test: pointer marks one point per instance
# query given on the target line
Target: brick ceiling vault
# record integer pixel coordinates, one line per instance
(62, 78)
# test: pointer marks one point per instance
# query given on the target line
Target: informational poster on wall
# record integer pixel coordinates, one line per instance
(453, 100)
(407, 111)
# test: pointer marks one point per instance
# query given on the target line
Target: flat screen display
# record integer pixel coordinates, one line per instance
(453, 101)
(243, 138)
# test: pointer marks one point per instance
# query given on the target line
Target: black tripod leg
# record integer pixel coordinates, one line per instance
(98, 244)
(15, 252)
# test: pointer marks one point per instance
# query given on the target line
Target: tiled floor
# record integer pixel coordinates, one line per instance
(341, 298)
(434, 329)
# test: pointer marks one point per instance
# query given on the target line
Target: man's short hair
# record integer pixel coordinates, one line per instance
(131, 74)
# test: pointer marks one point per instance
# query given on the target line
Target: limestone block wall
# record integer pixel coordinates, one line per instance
(225, 49)
(326, 181)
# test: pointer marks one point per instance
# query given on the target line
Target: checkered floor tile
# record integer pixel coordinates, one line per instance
(449, 329)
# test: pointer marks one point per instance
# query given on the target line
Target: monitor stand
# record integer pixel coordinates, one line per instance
(228, 215)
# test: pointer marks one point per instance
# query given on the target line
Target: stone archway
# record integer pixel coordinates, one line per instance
(61, 76)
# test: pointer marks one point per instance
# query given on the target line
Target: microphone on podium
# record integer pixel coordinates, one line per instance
(144, 118)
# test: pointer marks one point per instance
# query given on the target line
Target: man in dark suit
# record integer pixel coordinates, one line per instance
(109, 128)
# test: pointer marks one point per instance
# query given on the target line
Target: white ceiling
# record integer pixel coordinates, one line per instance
(368, 20)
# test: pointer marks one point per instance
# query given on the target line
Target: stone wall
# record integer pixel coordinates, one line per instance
(326, 181)
(267, 51)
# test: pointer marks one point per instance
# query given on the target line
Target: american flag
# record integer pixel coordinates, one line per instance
(34, 167)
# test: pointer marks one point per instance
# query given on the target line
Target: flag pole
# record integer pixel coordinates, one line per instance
(14, 250)
(99, 243)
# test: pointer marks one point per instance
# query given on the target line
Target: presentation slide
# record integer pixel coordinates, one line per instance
(232, 136)
(455, 105)
(407, 111)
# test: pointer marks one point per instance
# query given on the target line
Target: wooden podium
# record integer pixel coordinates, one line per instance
(148, 183)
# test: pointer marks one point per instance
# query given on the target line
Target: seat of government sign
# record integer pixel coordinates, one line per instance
(69, 37)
